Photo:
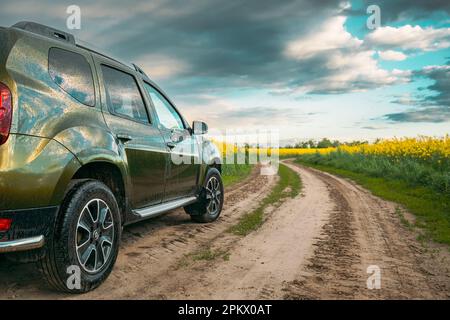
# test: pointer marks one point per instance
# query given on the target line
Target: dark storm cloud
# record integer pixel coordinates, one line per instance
(210, 45)
(434, 115)
(441, 77)
(434, 107)
(392, 10)
(236, 41)
(220, 43)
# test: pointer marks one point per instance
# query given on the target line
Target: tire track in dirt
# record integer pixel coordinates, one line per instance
(364, 230)
(260, 263)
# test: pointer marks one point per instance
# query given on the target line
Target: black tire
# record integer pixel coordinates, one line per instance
(201, 211)
(63, 250)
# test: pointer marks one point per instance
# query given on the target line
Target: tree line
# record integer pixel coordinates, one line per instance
(324, 143)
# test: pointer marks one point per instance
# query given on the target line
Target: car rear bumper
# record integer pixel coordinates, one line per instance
(22, 244)
(29, 229)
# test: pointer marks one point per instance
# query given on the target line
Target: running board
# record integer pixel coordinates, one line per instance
(159, 209)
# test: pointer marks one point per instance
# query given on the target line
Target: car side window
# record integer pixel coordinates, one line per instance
(123, 95)
(73, 74)
(167, 115)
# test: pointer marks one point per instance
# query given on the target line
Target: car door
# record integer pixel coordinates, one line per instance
(184, 164)
(128, 117)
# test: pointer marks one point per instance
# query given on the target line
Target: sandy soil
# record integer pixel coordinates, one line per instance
(317, 245)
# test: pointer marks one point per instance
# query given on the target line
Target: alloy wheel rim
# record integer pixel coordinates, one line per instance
(213, 196)
(94, 236)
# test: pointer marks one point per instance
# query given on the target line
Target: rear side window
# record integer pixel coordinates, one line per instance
(73, 74)
(123, 96)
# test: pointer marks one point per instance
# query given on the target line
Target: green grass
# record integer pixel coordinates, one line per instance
(429, 202)
(289, 185)
(233, 173)
(415, 172)
(203, 254)
(403, 220)
(209, 255)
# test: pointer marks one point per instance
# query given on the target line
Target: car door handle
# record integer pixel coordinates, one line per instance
(124, 137)
(171, 145)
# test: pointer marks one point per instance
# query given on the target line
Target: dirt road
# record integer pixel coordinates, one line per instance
(317, 245)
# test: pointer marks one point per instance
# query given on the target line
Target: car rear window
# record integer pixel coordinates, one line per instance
(73, 74)
(123, 95)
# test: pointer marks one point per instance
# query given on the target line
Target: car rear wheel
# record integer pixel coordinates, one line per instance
(85, 244)
(211, 198)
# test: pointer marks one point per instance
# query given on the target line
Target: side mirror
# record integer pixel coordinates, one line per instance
(199, 127)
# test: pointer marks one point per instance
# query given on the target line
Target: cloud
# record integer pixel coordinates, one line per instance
(28, 8)
(408, 37)
(226, 40)
(392, 55)
(432, 115)
(330, 37)
(293, 46)
(373, 128)
(224, 113)
(345, 63)
(406, 9)
(404, 99)
(441, 77)
(159, 67)
(433, 107)
(206, 47)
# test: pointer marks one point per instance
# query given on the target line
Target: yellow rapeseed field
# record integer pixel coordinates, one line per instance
(286, 152)
(282, 152)
(423, 148)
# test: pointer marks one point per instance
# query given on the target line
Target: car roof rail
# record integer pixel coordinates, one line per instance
(45, 31)
(53, 33)
(138, 69)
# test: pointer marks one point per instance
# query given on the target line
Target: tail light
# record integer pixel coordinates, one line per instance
(5, 224)
(5, 112)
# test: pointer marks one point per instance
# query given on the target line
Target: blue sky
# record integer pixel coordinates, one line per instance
(310, 69)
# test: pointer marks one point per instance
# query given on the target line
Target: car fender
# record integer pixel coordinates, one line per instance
(210, 156)
(88, 145)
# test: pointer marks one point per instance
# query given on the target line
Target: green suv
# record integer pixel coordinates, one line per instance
(87, 145)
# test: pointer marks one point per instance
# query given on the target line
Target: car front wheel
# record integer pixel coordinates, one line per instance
(211, 198)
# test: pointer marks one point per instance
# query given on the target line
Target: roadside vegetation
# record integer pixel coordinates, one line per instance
(203, 254)
(233, 173)
(235, 163)
(288, 186)
(412, 172)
